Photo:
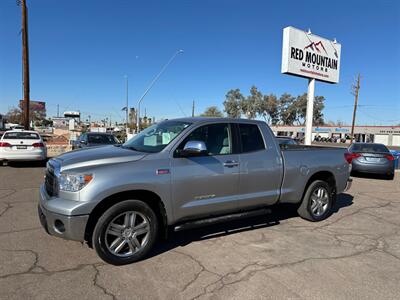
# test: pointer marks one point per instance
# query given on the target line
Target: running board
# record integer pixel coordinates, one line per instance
(221, 219)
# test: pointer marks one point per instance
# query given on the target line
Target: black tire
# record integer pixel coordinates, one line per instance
(390, 176)
(305, 210)
(101, 241)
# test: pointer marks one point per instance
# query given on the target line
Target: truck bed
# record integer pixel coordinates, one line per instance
(301, 161)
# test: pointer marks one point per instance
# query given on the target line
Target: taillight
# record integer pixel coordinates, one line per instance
(350, 156)
(38, 145)
(389, 157)
(4, 144)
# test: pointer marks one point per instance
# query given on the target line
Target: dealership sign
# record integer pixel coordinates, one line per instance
(308, 55)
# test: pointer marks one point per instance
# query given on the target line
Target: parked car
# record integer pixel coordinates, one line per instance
(181, 174)
(22, 145)
(95, 139)
(285, 140)
(372, 159)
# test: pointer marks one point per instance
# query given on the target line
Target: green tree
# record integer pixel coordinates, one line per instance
(301, 107)
(268, 109)
(251, 103)
(212, 111)
(319, 105)
(232, 103)
(287, 109)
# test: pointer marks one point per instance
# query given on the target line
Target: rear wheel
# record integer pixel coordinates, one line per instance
(125, 233)
(317, 202)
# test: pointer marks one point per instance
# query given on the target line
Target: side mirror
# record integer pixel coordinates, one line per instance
(194, 148)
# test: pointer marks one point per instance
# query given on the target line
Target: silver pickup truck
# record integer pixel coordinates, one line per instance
(181, 174)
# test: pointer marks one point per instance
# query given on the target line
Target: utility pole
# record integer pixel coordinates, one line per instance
(127, 108)
(355, 88)
(193, 109)
(25, 62)
(58, 110)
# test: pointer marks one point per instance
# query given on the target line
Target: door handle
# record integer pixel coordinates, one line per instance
(231, 164)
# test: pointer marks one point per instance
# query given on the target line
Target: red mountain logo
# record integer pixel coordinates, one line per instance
(315, 46)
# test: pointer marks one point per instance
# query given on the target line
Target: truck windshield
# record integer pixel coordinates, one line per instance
(156, 137)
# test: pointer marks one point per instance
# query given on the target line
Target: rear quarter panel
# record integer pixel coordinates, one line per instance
(300, 165)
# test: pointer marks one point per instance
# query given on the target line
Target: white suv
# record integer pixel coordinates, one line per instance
(22, 145)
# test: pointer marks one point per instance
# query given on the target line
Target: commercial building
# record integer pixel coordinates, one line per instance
(387, 135)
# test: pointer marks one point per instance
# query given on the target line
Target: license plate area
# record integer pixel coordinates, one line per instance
(21, 147)
(373, 159)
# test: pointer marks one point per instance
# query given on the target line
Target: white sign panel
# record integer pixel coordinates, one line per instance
(310, 56)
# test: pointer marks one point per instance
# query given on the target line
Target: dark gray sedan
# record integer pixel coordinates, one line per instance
(371, 158)
(95, 139)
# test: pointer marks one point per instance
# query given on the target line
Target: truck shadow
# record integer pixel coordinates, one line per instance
(279, 213)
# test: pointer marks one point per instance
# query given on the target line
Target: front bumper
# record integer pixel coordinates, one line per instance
(64, 226)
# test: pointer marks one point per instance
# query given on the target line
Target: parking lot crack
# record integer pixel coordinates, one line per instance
(197, 275)
(18, 231)
(96, 283)
(12, 191)
(351, 214)
(8, 207)
(259, 267)
(31, 269)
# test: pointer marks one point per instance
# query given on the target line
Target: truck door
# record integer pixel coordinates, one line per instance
(206, 185)
(260, 168)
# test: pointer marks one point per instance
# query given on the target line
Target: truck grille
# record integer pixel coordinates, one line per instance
(50, 183)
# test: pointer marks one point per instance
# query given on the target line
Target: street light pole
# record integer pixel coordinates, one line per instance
(151, 85)
(127, 112)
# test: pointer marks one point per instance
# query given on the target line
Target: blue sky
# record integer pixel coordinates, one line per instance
(81, 50)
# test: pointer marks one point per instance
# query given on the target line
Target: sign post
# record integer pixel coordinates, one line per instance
(310, 111)
(313, 57)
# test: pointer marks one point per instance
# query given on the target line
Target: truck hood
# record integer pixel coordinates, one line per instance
(97, 156)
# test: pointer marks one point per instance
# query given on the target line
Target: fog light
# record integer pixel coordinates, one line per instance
(59, 226)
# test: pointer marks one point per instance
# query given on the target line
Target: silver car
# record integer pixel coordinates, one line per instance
(372, 159)
(22, 145)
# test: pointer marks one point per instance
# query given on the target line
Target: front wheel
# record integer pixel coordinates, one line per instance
(317, 202)
(125, 233)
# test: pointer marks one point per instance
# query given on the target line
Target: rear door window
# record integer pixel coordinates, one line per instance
(251, 138)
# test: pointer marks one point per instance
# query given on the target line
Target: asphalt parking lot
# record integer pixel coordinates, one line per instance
(355, 254)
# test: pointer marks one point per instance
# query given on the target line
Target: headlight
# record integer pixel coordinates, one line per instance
(73, 182)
